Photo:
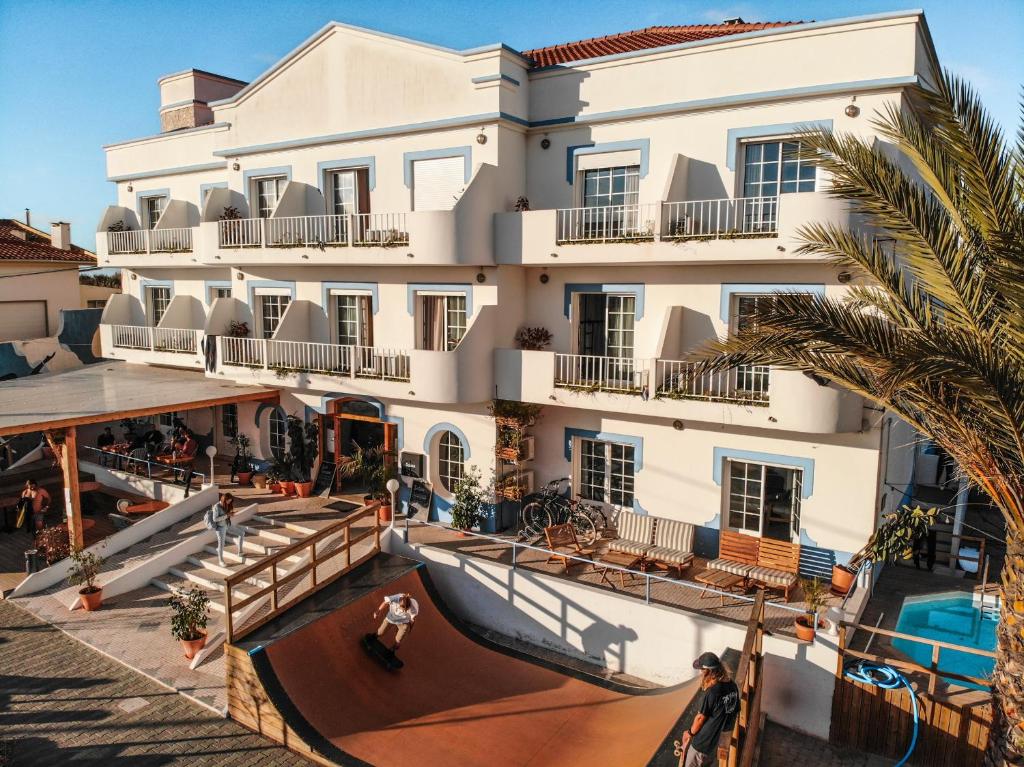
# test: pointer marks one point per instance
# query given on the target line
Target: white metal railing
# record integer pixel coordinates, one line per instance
(180, 340)
(127, 464)
(720, 218)
(240, 232)
(382, 229)
(170, 240)
(679, 378)
(309, 357)
(611, 222)
(131, 336)
(307, 230)
(586, 371)
(133, 241)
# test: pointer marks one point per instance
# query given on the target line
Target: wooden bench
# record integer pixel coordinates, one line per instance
(737, 553)
(564, 537)
(762, 560)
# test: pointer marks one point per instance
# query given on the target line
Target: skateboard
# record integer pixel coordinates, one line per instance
(382, 654)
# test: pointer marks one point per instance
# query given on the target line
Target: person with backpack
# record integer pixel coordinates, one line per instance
(218, 519)
(719, 703)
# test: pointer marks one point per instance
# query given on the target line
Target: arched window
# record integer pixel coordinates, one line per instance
(278, 433)
(450, 460)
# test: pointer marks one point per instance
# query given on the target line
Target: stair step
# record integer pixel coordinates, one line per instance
(284, 522)
(209, 579)
(173, 585)
(277, 533)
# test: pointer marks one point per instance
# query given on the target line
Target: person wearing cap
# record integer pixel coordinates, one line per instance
(719, 702)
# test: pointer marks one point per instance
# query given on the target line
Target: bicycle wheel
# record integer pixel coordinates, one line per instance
(586, 532)
(535, 518)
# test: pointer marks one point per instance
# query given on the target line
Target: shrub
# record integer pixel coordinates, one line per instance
(533, 339)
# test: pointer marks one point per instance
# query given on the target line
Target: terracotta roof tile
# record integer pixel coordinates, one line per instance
(20, 242)
(642, 39)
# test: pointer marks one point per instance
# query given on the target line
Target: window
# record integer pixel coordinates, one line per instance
(765, 500)
(157, 299)
(277, 433)
(343, 189)
(267, 191)
(96, 303)
(610, 197)
(606, 472)
(450, 460)
(168, 419)
(354, 324)
(152, 209)
(229, 421)
(774, 167)
(750, 378)
(217, 292)
(272, 308)
(443, 321)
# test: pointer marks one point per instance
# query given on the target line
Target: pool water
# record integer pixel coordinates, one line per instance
(955, 620)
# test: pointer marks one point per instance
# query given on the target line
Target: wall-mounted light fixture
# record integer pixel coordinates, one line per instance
(852, 110)
(239, 276)
(481, 277)
(135, 276)
(235, 165)
(481, 137)
(545, 143)
(844, 277)
(544, 279)
(678, 425)
(129, 186)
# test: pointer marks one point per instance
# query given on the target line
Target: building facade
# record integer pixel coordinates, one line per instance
(370, 223)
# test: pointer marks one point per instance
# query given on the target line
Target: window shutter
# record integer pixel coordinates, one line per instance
(437, 184)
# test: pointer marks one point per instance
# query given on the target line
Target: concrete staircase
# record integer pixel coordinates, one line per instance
(263, 536)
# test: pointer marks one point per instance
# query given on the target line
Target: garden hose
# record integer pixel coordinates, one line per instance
(887, 678)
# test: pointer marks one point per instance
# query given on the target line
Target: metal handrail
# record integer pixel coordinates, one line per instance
(149, 464)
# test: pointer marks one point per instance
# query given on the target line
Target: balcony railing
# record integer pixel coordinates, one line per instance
(175, 340)
(177, 240)
(592, 373)
(309, 357)
(718, 219)
(743, 384)
(240, 232)
(364, 229)
(380, 229)
(306, 230)
(608, 223)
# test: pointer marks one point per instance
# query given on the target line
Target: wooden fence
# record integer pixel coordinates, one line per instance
(305, 578)
(953, 727)
(738, 747)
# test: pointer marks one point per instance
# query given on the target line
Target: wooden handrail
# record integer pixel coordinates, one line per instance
(921, 640)
(732, 743)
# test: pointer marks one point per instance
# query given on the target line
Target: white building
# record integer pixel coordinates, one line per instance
(356, 208)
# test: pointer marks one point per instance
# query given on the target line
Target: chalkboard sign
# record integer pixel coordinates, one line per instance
(419, 498)
(325, 479)
(411, 465)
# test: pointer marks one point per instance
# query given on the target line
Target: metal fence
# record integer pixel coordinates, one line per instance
(610, 222)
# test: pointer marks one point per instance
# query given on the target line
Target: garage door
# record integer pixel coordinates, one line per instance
(438, 184)
(22, 320)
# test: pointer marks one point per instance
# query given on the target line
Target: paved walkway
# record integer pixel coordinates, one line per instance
(60, 703)
(782, 747)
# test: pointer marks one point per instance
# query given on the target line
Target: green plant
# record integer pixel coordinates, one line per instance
(303, 448)
(230, 213)
(85, 569)
(243, 453)
(372, 467)
(533, 339)
(815, 595)
(191, 612)
(117, 226)
(470, 497)
(518, 412)
(238, 329)
(896, 537)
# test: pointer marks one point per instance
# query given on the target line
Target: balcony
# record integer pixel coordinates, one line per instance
(690, 231)
(359, 230)
(750, 396)
(176, 240)
(177, 347)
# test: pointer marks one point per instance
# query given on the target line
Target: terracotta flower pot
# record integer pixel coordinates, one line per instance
(259, 480)
(842, 580)
(91, 598)
(288, 488)
(193, 646)
(384, 512)
(303, 489)
(804, 630)
(244, 477)
(275, 487)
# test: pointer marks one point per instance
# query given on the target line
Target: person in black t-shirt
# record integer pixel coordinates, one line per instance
(719, 702)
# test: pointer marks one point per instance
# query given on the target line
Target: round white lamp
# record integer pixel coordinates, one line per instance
(392, 486)
(211, 451)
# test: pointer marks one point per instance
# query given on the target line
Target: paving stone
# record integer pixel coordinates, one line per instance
(783, 747)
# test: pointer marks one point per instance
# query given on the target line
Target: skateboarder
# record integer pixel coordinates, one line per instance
(718, 705)
(402, 610)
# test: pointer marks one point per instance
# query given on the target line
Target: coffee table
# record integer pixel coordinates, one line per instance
(619, 559)
(721, 581)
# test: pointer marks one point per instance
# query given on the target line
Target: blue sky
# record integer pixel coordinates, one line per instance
(78, 74)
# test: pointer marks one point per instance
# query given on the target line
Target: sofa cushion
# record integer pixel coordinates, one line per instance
(669, 555)
(771, 576)
(673, 534)
(634, 527)
(629, 547)
(736, 568)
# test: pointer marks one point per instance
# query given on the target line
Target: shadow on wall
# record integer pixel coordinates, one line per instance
(71, 348)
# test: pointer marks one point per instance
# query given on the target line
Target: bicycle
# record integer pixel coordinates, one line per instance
(550, 507)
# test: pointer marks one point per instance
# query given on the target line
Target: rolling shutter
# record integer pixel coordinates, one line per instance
(438, 184)
(22, 320)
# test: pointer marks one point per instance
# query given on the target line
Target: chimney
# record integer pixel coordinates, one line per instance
(185, 98)
(60, 235)
(733, 21)
(28, 217)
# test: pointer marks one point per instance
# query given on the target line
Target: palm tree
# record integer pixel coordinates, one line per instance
(933, 328)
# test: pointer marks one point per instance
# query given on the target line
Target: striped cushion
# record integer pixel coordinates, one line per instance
(736, 568)
(629, 547)
(674, 534)
(634, 527)
(772, 576)
(669, 555)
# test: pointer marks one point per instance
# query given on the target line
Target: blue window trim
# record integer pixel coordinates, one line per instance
(144, 284)
(461, 287)
(140, 195)
(254, 284)
(807, 464)
(327, 287)
(465, 152)
(325, 167)
(207, 284)
(204, 187)
(437, 428)
(635, 289)
(729, 289)
(572, 152)
(735, 135)
(249, 175)
(267, 406)
(606, 436)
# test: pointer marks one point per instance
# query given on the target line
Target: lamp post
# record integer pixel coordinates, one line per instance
(392, 486)
(211, 451)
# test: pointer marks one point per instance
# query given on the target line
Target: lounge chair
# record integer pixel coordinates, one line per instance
(635, 533)
(673, 544)
(561, 537)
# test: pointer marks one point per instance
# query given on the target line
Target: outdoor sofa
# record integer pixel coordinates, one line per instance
(774, 564)
(658, 540)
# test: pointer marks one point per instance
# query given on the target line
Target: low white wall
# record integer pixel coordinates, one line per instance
(133, 483)
(623, 633)
(121, 540)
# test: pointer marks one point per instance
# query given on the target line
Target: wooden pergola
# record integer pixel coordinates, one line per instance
(58, 404)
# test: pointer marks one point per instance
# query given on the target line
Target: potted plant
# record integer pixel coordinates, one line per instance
(815, 595)
(303, 449)
(372, 467)
(894, 539)
(238, 329)
(283, 467)
(470, 497)
(83, 573)
(273, 478)
(511, 413)
(533, 339)
(243, 458)
(188, 624)
(259, 480)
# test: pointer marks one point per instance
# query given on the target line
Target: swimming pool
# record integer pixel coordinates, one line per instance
(952, 619)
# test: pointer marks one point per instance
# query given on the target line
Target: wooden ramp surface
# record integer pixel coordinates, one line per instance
(459, 700)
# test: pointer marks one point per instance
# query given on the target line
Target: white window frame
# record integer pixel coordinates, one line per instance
(577, 312)
(259, 296)
(228, 414)
(281, 183)
(167, 419)
(151, 304)
(211, 293)
(445, 458)
(420, 294)
(277, 450)
(365, 295)
(796, 501)
(610, 447)
(741, 165)
(333, 174)
(144, 203)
